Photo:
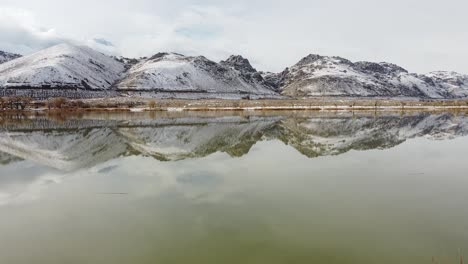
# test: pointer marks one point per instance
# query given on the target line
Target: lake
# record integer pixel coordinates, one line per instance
(245, 187)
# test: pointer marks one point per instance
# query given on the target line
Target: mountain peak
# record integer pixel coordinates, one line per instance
(381, 67)
(310, 59)
(166, 55)
(67, 47)
(315, 58)
(239, 63)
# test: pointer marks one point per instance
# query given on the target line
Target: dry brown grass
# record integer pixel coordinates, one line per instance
(56, 103)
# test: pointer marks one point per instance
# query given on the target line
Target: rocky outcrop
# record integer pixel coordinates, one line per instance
(240, 64)
(247, 72)
(7, 56)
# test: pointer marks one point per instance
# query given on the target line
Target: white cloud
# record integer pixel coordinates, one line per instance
(20, 32)
(101, 44)
(195, 31)
(422, 36)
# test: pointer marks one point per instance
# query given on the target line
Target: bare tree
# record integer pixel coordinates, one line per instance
(152, 104)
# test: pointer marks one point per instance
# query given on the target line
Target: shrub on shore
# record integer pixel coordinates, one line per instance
(58, 103)
(152, 104)
(15, 103)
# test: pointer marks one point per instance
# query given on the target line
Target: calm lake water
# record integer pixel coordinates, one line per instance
(302, 187)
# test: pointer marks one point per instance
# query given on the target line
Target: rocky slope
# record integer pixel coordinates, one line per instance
(6, 56)
(317, 75)
(62, 66)
(246, 71)
(454, 83)
(197, 76)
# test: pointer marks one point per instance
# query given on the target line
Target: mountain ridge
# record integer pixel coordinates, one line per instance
(317, 75)
(173, 75)
(173, 72)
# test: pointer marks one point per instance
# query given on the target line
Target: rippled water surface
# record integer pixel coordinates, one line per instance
(287, 187)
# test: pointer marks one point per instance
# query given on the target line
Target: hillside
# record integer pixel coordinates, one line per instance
(197, 76)
(62, 66)
(317, 75)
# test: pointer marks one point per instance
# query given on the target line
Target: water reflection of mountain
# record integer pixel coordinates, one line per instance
(6, 158)
(318, 136)
(84, 142)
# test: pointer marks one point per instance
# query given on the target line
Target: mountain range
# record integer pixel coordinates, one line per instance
(79, 71)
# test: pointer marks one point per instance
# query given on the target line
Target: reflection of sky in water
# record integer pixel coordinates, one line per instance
(216, 174)
(274, 205)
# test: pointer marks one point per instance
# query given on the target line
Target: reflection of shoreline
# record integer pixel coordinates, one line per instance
(139, 104)
(15, 118)
(88, 140)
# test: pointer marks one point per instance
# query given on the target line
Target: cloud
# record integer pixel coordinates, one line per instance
(423, 36)
(195, 31)
(21, 34)
(103, 42)
(102, 45)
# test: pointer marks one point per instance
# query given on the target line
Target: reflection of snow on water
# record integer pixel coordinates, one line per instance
(116, 147)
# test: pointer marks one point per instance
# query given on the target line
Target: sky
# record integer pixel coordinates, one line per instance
(419, 35)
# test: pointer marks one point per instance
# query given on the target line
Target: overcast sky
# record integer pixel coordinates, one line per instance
(420, 35)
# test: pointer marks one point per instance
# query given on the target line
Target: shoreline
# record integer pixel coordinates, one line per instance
(135, 104)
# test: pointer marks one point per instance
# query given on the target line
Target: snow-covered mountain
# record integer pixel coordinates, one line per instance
(317, 75)
(248, 73)
(7, 56)
(62, 66)
(455, 83)
(179, 74)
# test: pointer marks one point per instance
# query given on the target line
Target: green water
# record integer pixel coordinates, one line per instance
(260, 188)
